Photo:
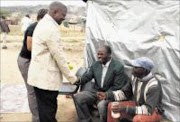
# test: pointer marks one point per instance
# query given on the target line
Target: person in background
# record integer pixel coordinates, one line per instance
(48, 62)
(25, 22)
(145, 91)
(24, 61)
(109, 75)
(5, 30)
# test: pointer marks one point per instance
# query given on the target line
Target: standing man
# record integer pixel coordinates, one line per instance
(24, 61)
(146, 93)
(108, 75)
(48, 64)
(25, 22)
(5, 30)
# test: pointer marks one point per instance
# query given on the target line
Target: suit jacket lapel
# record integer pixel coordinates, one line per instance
(99, 73)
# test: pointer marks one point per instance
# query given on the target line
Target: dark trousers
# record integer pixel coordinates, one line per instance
(85, 99)
(47, 104)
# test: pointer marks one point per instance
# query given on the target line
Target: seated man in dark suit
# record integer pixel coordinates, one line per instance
(108, 75)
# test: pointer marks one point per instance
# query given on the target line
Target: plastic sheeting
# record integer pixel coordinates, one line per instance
(13, 98)
(136, 28)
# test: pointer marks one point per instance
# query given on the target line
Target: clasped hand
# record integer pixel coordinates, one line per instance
(118, 108)
(101, 95)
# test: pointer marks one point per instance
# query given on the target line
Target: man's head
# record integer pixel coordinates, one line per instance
(3, 17)
(41, 13)
(104, 54)
(142, 66)
(27, 15)
(57, 11)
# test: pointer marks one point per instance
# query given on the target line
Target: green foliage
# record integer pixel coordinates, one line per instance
(5, 12)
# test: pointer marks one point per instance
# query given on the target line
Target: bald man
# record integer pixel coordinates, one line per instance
(108, 75)
(48, 62)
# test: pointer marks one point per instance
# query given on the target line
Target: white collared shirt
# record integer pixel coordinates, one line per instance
(104, 71)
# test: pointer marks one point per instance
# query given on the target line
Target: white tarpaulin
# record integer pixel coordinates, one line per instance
(136, 28)
(13, 98)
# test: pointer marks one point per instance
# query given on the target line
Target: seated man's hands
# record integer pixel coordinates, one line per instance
(118, 107)
(101, 95)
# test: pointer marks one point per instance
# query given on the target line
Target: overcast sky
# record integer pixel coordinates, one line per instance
(5, 3)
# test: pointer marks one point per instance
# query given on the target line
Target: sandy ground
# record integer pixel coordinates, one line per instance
(10, 74)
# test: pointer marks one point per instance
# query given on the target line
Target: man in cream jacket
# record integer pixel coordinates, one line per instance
(48, 63)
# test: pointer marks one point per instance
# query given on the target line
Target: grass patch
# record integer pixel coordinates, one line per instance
(72, 41)
(65, 32)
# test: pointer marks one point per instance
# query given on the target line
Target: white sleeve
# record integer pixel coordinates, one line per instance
(56, 51)
(142, 110)
(119, 95)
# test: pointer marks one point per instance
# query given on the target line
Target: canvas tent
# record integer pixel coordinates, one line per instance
(135, 28)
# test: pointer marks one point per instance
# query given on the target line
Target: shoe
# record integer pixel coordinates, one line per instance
(68, 96)
(4, 47)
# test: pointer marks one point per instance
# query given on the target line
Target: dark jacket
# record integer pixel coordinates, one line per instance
(115, 77)
(4, 26)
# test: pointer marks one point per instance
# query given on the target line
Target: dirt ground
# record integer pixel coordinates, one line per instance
(10, 74)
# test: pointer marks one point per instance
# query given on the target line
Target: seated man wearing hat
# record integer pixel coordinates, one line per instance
(145, 94)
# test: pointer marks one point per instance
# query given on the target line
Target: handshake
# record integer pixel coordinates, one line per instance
(78, 82)
(80, 72)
